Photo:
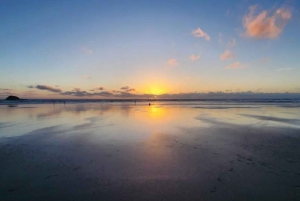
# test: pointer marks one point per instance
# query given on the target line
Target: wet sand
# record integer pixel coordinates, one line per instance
(125, 152)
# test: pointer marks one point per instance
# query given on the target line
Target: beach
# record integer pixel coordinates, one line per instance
(163, 151)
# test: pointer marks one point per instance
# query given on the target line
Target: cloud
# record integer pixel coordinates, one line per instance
(100, 88)
(220, 38)
(79, 93)
(199, 33)
(173, 62)
(126, 89)
(45, 87)
(130, 90)
(2, 89)
(264, 60)
(227, 55)
(190, 95)
(87, 50)
(86, 77)
(235, 65)
(113, 94)
(264, 25)
(284, 69)
(194, 57)
(231, 43)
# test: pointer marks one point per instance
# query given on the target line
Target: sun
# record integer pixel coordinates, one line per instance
(156, 91)
(155, 88)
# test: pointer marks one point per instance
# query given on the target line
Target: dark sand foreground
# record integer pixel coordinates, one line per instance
(92, 161)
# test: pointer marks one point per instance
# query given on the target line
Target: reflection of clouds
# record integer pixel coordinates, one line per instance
(82, 108)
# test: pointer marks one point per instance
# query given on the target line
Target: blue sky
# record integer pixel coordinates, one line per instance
(95, 48)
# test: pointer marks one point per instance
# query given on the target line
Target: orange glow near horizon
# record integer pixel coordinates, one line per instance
(155, 89)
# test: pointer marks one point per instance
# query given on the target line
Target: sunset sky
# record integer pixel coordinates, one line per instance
(123, 49)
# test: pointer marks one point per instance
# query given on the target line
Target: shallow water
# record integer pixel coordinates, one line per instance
(163, 151)
(135, 121)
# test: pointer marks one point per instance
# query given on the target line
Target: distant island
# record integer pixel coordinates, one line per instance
(12, 98)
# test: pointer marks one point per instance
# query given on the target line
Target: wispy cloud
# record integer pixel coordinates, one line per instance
(195, 57)
(86, 77)
(220, 38)
(227, 55)
(87, 50)
(173, 62)
(45, 87)
(228, 11)
(231, 43)
(264, 60)
(284, 69)
(265, 25)
(199, 33)
(235, 65)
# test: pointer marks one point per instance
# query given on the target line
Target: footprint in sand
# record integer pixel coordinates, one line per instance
(77, 168)
(14, 189)
(213, 190)
(50, 176)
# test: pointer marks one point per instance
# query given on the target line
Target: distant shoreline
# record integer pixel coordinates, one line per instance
(216, 101)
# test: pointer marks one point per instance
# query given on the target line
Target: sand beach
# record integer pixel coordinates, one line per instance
(166, 151)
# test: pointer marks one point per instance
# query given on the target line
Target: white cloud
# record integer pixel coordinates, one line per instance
(284, 69)
(199, 33)
(227, 55)
(264, 25)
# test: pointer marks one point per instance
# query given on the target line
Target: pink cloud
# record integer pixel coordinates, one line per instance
(200, 33)
(265, 25)
(195, 57)
(265, 60)
(227, 55)
(86, 77)
(173, 62)
(87, 50)
(235, 65)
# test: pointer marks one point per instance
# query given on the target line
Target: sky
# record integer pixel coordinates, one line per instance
(149, 49)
